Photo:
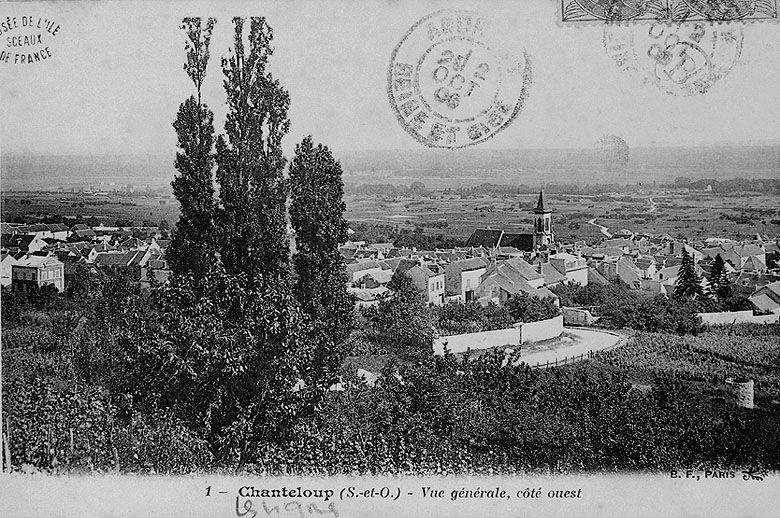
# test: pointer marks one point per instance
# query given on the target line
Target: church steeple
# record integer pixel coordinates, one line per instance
(543, 233)
(540, 204)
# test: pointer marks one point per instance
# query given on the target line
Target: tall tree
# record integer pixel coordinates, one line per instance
(688, 283)
(403, 323)
(718, 279)
(192, 250)
(317, 216)
(250, 162)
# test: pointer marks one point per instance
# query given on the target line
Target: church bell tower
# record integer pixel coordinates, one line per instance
(543, 234)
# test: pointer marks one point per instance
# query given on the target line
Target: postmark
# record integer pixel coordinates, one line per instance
(450, 85)
(26, 40)
(681, 59)
(672, 11)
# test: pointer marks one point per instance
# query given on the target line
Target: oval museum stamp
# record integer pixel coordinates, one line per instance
(450, 86)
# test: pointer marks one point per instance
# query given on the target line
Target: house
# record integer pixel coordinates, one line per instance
(623, 269)
(626, 245)
(83, 234)
(133, 243)
(675, 248)
(58, 231)
(428, 278)
(6, 262)
(36, 270)
(574, 268)
(359, 269)
(739, 255)
(594, 277)
(668, 274)
(503, 279)
(754, 264)
(552, 276)
(137, 258)
(646, 266)
(461, 278)
(25, 242)
(766, 299)
(374, 279)
(365, 297)
(526, 271)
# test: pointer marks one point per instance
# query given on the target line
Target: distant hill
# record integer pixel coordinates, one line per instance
(524, 166)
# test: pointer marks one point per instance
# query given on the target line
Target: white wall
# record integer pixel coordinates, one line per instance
(740, 317)
(542, 330)
(578, 317)
(469, 281)
(483, 340)
(521, 333)
(579, 276)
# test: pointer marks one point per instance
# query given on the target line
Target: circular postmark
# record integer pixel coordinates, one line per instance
(681, 58)
(449, 87)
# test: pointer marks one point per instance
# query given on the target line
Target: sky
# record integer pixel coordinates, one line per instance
(115, 78)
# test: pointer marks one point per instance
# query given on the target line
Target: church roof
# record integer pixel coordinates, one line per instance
(486, 238)
(518, 240)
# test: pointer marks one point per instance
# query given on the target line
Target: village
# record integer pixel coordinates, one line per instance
(493, 265)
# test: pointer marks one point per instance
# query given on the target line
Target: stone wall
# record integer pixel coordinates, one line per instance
(578, 317)
(740, 317)
(483, 340)
(541, 330)
(518, 334)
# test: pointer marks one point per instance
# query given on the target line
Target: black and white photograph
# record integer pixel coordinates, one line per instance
(388, 258)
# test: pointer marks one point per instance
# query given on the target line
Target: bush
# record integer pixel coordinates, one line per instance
(457, 318)
(523, 307)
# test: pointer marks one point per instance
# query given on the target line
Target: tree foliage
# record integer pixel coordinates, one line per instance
(192, 250)
(688, 284)
(524, 307)
(402, 323)
(250, 162)
(317, 216)
(224, 356)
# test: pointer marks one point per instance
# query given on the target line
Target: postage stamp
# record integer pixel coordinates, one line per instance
(450, 86)
(681, 59)
(618, 11)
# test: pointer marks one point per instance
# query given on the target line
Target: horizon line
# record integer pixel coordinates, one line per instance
(403, 150)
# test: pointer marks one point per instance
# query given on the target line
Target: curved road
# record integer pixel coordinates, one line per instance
(602, 228)
(587, 340)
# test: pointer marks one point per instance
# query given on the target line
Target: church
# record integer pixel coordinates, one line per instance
(541, 237)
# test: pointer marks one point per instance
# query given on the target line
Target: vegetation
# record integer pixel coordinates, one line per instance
(229, 365)
(192, 248)
(317, 216)
(402, 324)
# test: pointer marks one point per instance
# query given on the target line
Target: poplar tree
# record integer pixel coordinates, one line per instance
(317, 216)
(192, 250)
(250, 163)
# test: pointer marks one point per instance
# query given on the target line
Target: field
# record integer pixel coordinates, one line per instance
(751, 352)
(692, 215)
(680, 214)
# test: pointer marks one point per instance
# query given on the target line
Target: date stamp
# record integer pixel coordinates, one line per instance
(682, 59)
(450, 86)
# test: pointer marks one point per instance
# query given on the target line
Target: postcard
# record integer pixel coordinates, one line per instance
(390, 258)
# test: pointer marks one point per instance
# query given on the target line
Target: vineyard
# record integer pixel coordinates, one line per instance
(748, 351)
